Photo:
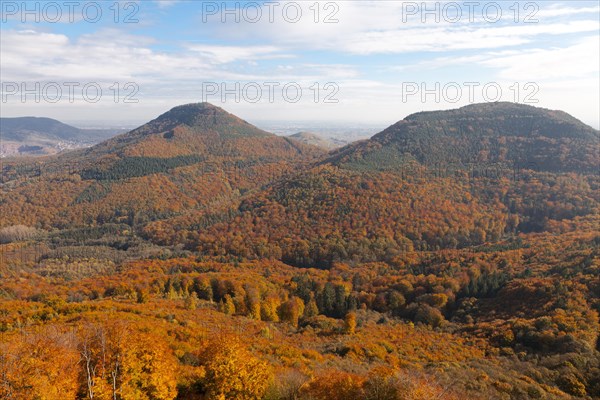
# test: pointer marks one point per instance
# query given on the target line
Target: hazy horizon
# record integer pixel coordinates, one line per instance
(261, 123)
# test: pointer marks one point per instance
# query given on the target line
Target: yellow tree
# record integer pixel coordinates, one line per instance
(191, 302)
(311, 309)
(120, 363)
(268, 309)
(292, 310)
(149, 369)
(350, 323)
(232, 372)
(252, 301)
(227, 305)
(335, 385)
(39, 365)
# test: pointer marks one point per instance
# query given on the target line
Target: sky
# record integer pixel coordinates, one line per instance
(362, 62)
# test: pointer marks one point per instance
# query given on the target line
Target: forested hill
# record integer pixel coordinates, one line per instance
(188, 158)
(202, 116)
(38, 136)
(200, 128)
(481, 134)
(19, 129)
(436, 180)
(314, 139)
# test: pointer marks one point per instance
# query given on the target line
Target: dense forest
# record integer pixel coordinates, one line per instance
(198, 257)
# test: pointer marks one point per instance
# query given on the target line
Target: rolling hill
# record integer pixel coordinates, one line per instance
(439, 180)
(504, 134)
(204, 179)
(315, 140)
(42, 136)
(190, 157)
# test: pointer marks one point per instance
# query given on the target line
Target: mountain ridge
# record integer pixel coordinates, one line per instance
(44, 136)
(201, 115)
(519, 110)
(491, 133)
(188, 158)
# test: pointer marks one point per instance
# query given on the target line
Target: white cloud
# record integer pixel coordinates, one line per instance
(166, 3)
(228, 54)
(553, 10)
(111, 55)
(378, 27)
(578, 60)
(107, 55)
(440, 38)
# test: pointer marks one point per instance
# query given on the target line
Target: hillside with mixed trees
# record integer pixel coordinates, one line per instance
(192, 157)
(358, 205)
(452, 256)
(492, 135)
